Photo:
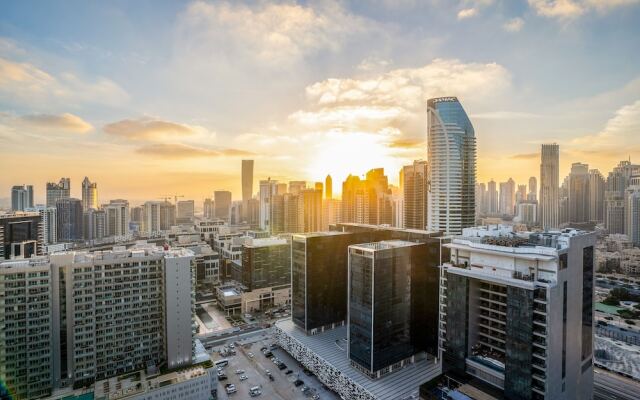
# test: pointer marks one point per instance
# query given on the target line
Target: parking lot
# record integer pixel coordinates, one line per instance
(250, 359)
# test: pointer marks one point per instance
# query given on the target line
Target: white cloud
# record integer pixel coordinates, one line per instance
(621, 132)
(273, 33)
(514, 25)
(569, 9)
(25, 83)
(467, 13)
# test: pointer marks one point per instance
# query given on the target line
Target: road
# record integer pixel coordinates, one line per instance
(608, 386)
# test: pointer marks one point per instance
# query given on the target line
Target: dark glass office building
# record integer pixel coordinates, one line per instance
(424, 297)
(319, 279)
(383, 278)
(265, 263)
(20, 235)
(69, 218)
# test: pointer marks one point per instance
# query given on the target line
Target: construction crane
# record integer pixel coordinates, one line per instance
(175, 198)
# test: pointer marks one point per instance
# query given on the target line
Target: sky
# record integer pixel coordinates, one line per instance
(155, 98)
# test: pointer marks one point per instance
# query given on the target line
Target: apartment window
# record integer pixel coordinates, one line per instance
(564, 260)
(587, 302)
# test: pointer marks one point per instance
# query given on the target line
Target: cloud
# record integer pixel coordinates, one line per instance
(513, 25)
(570, 9)
(273, 33)
(409, 88)
(527, 156)
(407, 143)
(25, 83)
(64, 122)
(620, 135)
(182, 151)
(147, 128)
(504, 115)
(467, 13)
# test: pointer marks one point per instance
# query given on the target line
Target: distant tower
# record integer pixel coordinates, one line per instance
(56, 191)
(549, 185)
(21, 197)
(452, 166)
(579, 193)
(533, 187)
(328, 187)
(89, 194)
(415, 194)
(247, 187)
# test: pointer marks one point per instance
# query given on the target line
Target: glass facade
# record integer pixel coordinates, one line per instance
(518, 346)
(380, 304)
(319, 278)
(266, 266)
(587, 302)
(19, 229)
(452, 166)
(457, 323)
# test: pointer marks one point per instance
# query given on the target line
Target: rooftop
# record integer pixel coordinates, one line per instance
(383, 245)
(331, 347)
(136, 383)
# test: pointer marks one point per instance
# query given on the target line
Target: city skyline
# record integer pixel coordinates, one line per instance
(110, 103)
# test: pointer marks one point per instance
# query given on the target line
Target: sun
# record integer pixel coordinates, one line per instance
(342, 153)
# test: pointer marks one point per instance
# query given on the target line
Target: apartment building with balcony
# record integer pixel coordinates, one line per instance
(25, 328)
(117, 311)
(516, 311)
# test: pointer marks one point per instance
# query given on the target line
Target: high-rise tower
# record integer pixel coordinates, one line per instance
(579, 193)
(452, 166)
(328, 187)
(549, 185)
(89, 194)
(247, 183)
(56, 191)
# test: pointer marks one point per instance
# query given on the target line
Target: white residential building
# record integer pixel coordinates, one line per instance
(517, 311)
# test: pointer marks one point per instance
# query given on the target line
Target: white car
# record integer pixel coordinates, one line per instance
(231, 388)
(250, 355)
(243, 377)
(239, 371)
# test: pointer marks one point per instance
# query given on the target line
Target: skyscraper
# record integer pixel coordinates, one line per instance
(579, 193)
(89, 194)
(383, 279)
(247, 180)
(452, 166)
(549, 185)
(55, 191)
(632, 210)
(185, 210)
(208, 209)
(21, 197)
(117, 217)
(533, 188)
(93, 224)
(268, 190)
(507, 197)
(415, 194)
(596, 196)
(247, 187)
(49, 224)
(157, 216)
(222, 204)
(617, 183)
(69, 219)
(328, 187)
(492, 197)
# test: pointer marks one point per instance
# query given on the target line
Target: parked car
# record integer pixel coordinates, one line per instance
(298, 382)
(239, 371)
(230, 388)
(250, 355)
(255, 391)
(289, 372)
(243, 377)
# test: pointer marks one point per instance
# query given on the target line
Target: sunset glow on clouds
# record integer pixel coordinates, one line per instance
(170, 96)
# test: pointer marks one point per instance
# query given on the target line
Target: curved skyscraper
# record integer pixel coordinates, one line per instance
(452, 166)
